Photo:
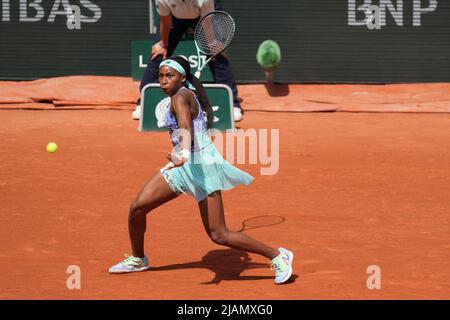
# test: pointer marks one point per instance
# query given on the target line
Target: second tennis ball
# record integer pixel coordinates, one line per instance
(52, 147)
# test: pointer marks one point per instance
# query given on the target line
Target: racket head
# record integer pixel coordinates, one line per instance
(214, 32)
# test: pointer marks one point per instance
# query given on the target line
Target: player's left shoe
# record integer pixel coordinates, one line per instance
(282, 265)
(136, 114)
(237, 114)
(130, 264)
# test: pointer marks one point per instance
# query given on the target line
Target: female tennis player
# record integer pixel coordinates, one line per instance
(196, 169)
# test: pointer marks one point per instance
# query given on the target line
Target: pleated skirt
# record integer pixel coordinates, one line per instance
(205, 172)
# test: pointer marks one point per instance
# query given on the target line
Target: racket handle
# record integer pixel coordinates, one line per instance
(197, 74)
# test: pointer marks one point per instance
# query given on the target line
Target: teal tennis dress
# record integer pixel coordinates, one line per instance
(206, 171)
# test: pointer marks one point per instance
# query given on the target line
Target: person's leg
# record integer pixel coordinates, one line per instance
(211, 210)
(155, 193)
(221, 70)
(224, 73)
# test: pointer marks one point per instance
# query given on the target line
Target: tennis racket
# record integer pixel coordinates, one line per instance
(260, 222)
(213, 34)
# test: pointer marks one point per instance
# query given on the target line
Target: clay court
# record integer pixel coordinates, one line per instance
(355, 188)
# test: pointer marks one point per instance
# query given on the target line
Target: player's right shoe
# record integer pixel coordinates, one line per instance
(130, 264)
(282, 265)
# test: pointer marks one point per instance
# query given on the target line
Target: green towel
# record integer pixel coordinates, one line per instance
(268, 55)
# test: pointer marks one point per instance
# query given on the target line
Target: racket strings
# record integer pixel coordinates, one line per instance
(214, 33)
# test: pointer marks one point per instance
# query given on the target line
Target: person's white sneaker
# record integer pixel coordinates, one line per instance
(282, 265)
(136, 115)
(237, 114)
(130, 264)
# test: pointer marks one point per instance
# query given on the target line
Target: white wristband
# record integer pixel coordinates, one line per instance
(168, 166)
(185, 155)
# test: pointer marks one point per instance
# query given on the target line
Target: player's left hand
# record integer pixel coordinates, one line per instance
(175, 159)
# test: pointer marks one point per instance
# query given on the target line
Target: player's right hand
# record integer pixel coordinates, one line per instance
(159, 50)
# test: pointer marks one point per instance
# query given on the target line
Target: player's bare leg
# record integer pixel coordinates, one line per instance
(155, 193)
(211, 210)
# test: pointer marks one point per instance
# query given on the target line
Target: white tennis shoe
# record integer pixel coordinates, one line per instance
(130, 264)
(282, 265)
(237, 114)
(136, 115)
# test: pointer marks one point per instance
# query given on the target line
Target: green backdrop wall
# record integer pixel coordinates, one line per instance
(321, 40)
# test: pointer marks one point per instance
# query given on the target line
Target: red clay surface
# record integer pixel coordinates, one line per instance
(417, 97)
(356, 190)
(101, 92)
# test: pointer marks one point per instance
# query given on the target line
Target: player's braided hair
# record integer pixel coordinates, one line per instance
(200, 90)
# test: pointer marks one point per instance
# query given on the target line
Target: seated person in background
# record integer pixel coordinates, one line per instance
(174, 21)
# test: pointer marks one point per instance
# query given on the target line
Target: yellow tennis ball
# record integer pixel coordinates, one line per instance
(52, 147)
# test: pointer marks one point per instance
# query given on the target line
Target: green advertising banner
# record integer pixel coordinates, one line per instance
(141, 53)
(155, 103)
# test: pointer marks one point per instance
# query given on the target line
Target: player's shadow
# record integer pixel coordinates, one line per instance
(277, 89)
(227, 264)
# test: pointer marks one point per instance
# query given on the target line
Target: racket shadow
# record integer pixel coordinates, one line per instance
(261, 222)
(226, 264)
